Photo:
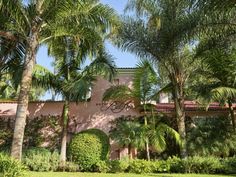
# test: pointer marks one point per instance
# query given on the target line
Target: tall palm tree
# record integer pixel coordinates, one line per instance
(73, 80)
(36, 22)
(160, 32)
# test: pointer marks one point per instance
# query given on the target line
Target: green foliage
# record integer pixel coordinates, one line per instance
(102, 167)
(204, 140)
(134, 133)
(196, 164)
(229, 165)
(208, 165)
(176, 165)
(89, 147)
(10, 167)
(141, 166)
(69, 167)
(125, 132)
(119, 166)
(43, 129)
(160, 166)
(40, 159)
(5, 138)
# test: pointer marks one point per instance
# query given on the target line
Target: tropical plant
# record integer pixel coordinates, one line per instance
(219, 72)
(73, 81)
(161, 32)
(142, 94)
(34, 23)
(125, 133)
(135, 134)
(203, 140)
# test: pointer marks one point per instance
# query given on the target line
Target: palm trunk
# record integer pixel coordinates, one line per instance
(231, 112)
(147, 142)
(64, 133)
(147, 150)
(30, 58)
(180, 114)
(130, 151)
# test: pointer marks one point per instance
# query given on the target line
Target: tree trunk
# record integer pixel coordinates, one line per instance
(65, 118)
(147, 150)
(180, 114)
(147, 142)
(23, 99)
(130, 151)
(231, 112)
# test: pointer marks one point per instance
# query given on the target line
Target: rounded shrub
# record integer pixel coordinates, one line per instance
(89, 147)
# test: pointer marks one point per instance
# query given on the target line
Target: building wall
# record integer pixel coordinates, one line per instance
(91, 114)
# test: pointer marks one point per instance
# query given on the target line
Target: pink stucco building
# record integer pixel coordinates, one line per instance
(96, 114)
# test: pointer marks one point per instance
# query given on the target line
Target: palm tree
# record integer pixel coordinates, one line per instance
(36, 22)
(133, 134)
(73, 80)
(219, 70)
(144, 88)
(157, 132)
(125, 133)
(160, 32)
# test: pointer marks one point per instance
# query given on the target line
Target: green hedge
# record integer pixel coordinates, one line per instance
(10, 167)
(203, 165)
(89, 147)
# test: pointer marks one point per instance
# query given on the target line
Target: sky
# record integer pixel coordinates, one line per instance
(122, 59)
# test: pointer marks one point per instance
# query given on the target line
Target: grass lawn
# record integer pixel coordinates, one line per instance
(61, 174)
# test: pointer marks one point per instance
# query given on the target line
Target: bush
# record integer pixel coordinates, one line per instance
(119, 166)
(41, 159)
(208, 165)
(141, 166)
(89, 147)
(229, 165)
(195, 165)
(176, 165)
(102, 167)
(161, 166)
(10, 167)
(69, 167)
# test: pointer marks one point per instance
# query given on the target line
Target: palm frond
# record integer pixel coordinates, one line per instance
(223, 93)
(102, 65)
(77, 89)
(158, 137)
(44, 78)
(119, 92)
